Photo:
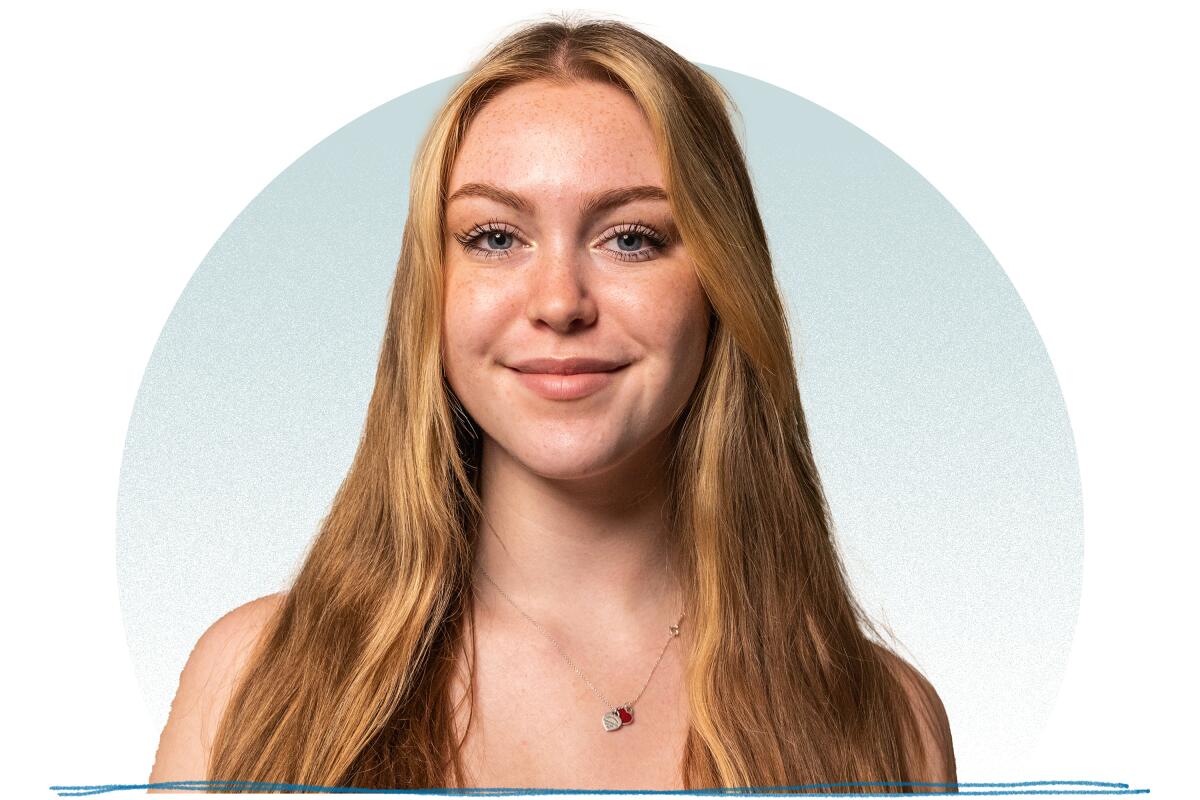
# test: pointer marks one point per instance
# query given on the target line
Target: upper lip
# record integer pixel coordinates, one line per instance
(567, 366)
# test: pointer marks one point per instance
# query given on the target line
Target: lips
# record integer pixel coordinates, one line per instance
(567, 366)
(566, 379)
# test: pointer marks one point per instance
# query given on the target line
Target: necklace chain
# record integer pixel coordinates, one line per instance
(674, 629)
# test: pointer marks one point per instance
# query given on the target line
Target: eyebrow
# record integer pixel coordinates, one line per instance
(594, 204)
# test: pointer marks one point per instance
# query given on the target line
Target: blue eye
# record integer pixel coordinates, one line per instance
(500, 239)
(630, 239)
(636, 241)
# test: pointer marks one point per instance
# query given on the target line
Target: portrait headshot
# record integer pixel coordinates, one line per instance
(584, 536)
(492, 400)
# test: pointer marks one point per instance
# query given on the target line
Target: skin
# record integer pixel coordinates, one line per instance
(572, 490)
(568, 484)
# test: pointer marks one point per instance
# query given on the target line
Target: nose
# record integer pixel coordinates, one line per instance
(558, 291)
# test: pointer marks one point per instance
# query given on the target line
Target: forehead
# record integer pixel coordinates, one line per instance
(540, 137)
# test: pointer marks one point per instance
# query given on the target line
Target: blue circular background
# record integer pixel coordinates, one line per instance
(936, 418)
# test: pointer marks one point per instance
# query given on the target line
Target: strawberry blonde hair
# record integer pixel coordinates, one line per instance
(349, 683)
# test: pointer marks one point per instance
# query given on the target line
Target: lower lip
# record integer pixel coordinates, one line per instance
(566, 387)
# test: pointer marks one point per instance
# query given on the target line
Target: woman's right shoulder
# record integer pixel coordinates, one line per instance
(205, 686)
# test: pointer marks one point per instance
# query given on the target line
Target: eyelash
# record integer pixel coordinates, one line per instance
(657, 241)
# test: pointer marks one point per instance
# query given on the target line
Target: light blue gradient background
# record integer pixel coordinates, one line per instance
(938, 425)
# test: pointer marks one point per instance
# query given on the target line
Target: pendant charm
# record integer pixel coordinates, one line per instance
(623, 715)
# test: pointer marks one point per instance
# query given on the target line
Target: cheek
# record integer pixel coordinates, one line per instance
(463, 323)
(673, 317)
(470, 320)
(670, 320)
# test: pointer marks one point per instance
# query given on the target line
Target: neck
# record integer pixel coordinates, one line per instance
(587, 553)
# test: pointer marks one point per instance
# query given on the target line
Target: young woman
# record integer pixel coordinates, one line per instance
(583, 543)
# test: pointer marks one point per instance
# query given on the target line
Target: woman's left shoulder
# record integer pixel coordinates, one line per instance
(935, 763)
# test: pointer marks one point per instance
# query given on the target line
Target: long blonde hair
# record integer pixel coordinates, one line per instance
(349, 685)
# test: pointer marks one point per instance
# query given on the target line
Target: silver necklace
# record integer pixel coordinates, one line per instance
(617, 715)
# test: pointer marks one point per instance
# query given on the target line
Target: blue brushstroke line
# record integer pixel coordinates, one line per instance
(720, 790)
(1012, 788)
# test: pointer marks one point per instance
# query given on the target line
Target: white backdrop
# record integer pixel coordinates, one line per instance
(134, 135)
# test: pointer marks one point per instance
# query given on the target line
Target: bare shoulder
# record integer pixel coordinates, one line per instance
(205, 686)
(935, 763)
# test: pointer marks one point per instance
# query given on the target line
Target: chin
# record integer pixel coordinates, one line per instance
(567, 460)
(568, 466)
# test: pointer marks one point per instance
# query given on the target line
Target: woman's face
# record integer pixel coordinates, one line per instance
(560, 245)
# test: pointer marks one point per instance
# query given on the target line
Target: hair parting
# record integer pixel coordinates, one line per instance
(349, 684)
